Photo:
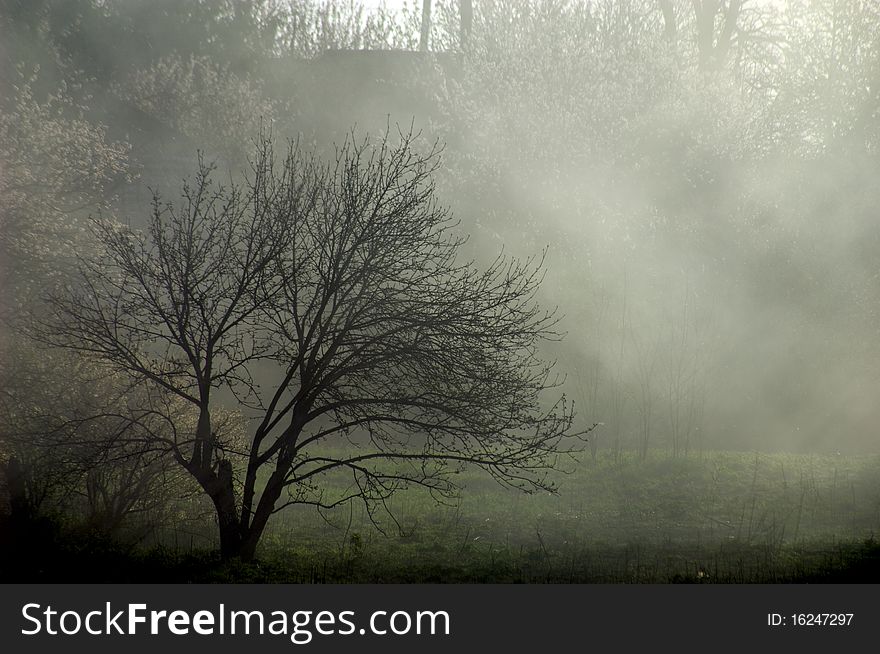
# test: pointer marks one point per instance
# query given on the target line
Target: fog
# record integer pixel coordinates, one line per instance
(712, 219)
(698, 178)
(709, 230)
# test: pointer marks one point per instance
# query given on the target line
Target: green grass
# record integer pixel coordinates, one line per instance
(721, 517)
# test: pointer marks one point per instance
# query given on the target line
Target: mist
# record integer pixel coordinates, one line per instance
(695, 184)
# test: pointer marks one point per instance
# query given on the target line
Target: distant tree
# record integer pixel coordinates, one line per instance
(203, 100)
(466, 10)
(425, 34)
(105, 40)
(716, 26)
(828, 93)
(54, 162)
(309, 28)
(387, 362)
(88, 445)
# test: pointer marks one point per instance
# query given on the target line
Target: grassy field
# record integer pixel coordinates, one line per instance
(719, 517)
(722, 516)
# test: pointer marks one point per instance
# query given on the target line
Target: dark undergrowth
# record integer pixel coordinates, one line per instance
(42, 551)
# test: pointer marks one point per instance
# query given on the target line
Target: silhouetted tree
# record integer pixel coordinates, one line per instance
(390, 362)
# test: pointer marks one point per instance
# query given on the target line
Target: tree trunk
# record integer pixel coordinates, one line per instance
(713, 54)
(704, 12)
(725, 39)
(466, 9)
(223, 496)
(426, 26)
(670, 29)
(19, 504)
(218, 485)
(251, 537)
(202, 451)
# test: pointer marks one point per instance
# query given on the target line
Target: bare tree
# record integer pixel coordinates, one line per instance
(716, 24)
(590, 385)
(686, 357)
(646, 352)
(328, 297)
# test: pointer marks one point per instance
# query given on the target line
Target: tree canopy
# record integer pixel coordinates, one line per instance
(329, 298)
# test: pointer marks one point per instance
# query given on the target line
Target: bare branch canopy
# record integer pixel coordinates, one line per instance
(330, 297)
